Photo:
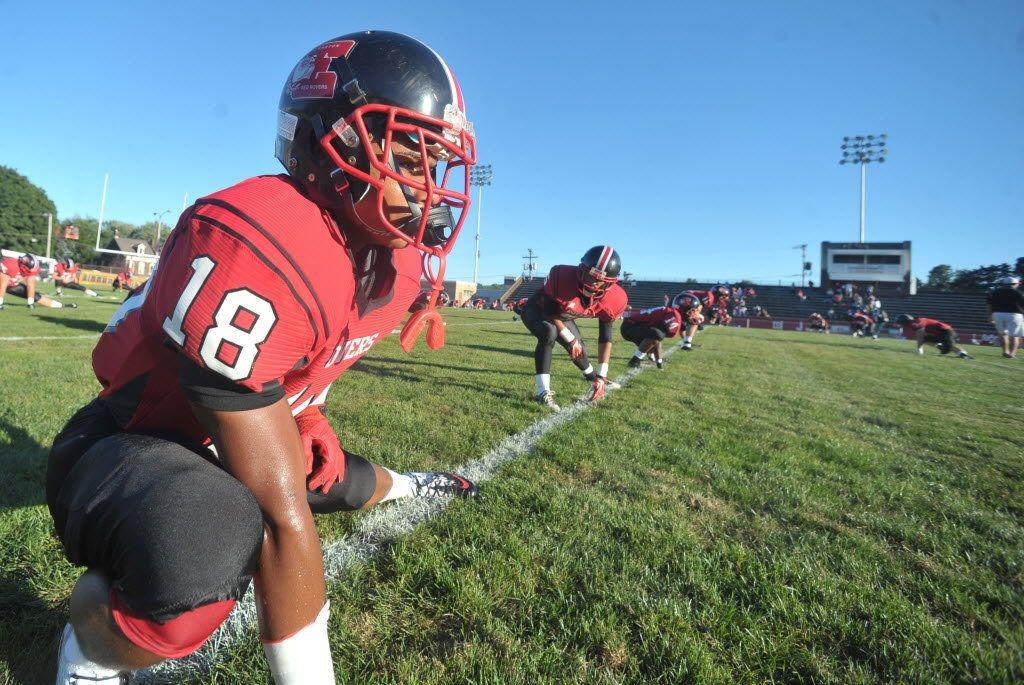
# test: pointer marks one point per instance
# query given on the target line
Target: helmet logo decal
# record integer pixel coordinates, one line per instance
(312, 79)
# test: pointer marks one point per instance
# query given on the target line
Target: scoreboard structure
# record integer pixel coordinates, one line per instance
(884, 265)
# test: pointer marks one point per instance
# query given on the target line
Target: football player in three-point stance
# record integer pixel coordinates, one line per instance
(817, 322)
(588, 290)
(647, 329)
(66, 275)
(266, 292)
(939, 333)
(18, 277)
(691, 305)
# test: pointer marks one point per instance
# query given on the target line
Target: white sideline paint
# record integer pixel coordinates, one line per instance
(380, 527)
(17, 338)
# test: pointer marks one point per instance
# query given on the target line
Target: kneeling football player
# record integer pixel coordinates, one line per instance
(938, 333)
(860, 323)
(588, 290)
(66, 275)
(266, 293)
(647, 329)
(18, 277)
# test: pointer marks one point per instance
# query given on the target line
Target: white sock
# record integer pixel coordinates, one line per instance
(1, 300)
(54, 304)
(660, 360)
(90, 293)
(70, 659)
(401, 486)
(687, 338)
(543, 383)
(602, 369)
(639, 354)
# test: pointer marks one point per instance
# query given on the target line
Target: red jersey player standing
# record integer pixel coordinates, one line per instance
(939, 333)
(66, 275)
(588, 290)
(18, 276)
(647, 329)
(266, 292)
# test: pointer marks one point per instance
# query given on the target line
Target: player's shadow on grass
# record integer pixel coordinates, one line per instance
(385, 368)
(503, 350)
(79, 324)
(23, 463)
(29, 632)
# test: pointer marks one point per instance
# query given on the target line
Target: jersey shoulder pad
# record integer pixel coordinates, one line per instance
(225, 306)
(614, 303)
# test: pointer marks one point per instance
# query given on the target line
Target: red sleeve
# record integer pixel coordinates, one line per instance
(550, 282)
(613, 304)
(673, 321)
(227, 309)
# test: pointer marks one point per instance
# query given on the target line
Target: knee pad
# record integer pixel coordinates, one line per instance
(351, 493)
(175, 637)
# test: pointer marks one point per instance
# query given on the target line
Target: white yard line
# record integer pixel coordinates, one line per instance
(17, 338)
(379, 528)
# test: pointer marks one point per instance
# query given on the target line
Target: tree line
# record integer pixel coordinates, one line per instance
(944, 277)
(23, 223)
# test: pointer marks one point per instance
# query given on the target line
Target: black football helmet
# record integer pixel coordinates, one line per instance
(685, 302)
(67, 262)
(599, 270)
(26, 263)
(904, 319)
(343, 108)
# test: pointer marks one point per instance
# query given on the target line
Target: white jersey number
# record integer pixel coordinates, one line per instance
(241, 339)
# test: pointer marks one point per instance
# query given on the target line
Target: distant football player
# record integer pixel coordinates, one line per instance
(647, 329)
(18, 276)
(517, 308)
(817, 322)
(1006, 311)
(266, 293)
(123, 279)
(422, 300)
(860, 323)
(690, 306)
(933, 331)
(66, 275)
(587, 290)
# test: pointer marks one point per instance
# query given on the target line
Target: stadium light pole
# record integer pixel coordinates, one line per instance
(864, 150)
(479, 176)
(49, 232)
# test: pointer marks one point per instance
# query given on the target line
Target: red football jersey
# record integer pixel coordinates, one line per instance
(563, 289)
(10, 266)
(256, 284)
(666, 319)
(930, 326)
(64, 274)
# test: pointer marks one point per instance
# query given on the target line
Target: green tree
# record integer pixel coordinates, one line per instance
(940, 277)
(981, 278)
(22, 208)
(1018, 268)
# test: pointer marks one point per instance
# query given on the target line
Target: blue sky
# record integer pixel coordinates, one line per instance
(700, 139)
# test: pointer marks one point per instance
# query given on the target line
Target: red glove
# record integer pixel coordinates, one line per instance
(325, 460)
(597, 390)
(576, 350)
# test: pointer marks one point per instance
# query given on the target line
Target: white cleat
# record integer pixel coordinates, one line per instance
(547, 398)
(68, 673)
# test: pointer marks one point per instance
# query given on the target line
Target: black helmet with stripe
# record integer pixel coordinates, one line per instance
(905, 319)
(599, 269)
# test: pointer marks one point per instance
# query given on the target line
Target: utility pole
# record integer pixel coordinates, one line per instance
(159, 224)
(864, 150)
(530, 265)
(479, 176)
(49, 232)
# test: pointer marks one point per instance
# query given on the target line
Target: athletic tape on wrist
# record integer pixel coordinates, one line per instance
(566, 335)
(602, 369)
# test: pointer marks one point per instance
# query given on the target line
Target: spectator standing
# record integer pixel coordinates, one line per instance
(1006, 311)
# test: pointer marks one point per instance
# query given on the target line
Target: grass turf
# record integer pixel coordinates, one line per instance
(773, 507)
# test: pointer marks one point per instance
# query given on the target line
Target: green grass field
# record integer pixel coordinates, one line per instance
(772, 507)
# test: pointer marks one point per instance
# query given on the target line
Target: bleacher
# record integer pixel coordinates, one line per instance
(960, 310)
